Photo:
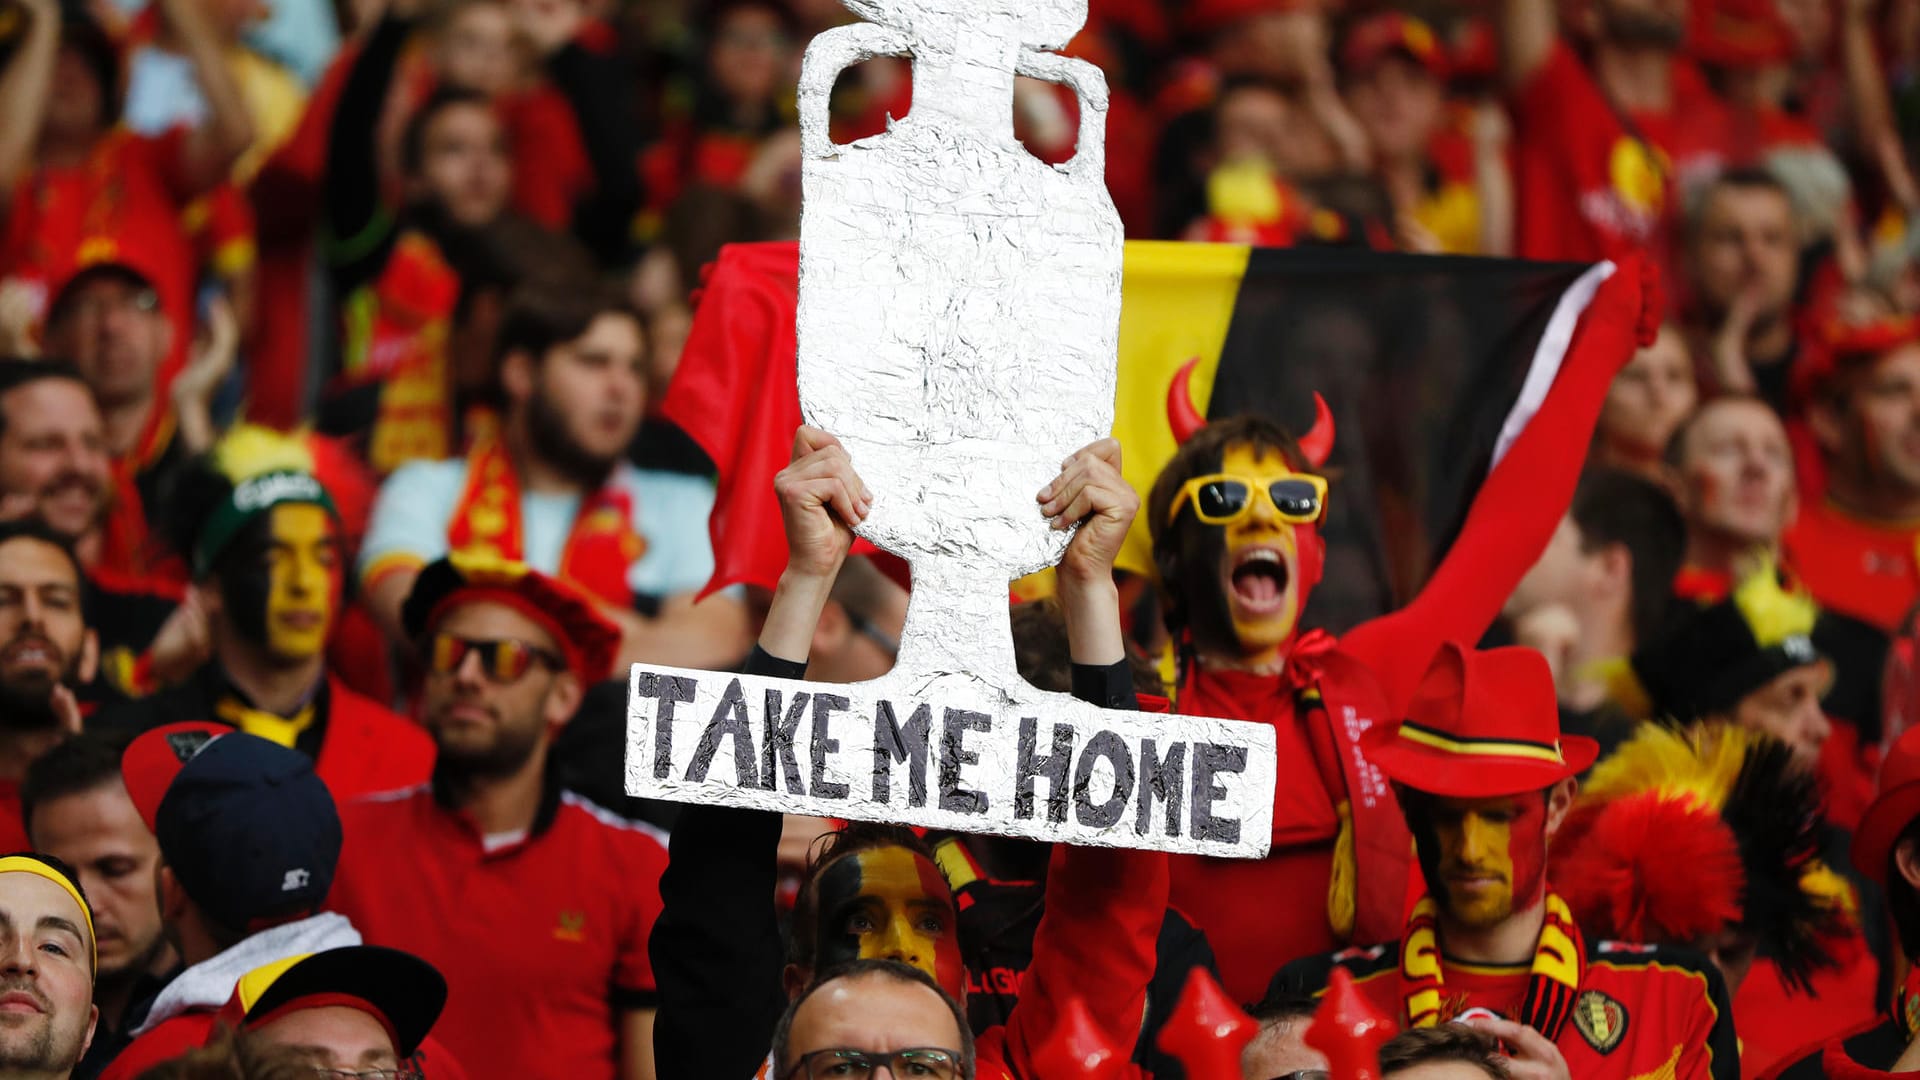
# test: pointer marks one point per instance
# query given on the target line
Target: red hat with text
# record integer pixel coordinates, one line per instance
(1482, 724)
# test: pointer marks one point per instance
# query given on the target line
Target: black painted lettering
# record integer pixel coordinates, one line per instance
(1028, 765)
(1209, 761)
(893, 742)
(677, 689)
(729, 718)
(1164, 779)
(1104, 744)
(954, 755)
(824, 706)
(777, 750)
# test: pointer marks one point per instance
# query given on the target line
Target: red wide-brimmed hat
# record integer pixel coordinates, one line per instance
(1481, 725)
(1892, 810)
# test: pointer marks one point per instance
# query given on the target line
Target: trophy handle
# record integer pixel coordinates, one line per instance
(830, 53)
(1090, 86)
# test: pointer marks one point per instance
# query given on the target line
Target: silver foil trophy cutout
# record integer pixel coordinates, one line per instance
(958, 324)
(959, 304)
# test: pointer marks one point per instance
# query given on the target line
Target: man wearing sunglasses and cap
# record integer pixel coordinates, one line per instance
(47, 963)
(1236, 519)
(506, 873)
(1485, 781)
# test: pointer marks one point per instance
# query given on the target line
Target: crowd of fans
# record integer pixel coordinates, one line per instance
(335, 498)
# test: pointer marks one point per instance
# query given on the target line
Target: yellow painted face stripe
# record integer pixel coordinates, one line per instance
(1482, 748)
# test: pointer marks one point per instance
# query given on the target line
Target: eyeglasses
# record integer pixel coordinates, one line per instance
(1221, 499)
(1304, 1074)
(140, 301)
(404, 1072)
(504, 660)
(920, 1063)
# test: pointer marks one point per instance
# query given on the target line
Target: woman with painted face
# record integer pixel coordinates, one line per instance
(1484, 779)
(875, 892)
(1235, 518)
(268, 558)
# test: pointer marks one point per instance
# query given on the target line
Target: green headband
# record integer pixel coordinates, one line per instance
(249, 500)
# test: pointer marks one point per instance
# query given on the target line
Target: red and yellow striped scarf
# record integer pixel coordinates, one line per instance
(1559, 962)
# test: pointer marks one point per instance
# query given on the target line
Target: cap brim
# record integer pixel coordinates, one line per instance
(1880, 828)
(1457, 776)
(151, 761)
(407, 990)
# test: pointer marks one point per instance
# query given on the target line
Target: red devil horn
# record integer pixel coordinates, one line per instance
(1182, 417)
(1317, 444)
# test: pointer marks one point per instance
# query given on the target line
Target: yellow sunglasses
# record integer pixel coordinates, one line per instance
(1222, 499)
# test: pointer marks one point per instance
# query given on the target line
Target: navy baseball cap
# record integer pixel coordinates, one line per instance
(250, 831)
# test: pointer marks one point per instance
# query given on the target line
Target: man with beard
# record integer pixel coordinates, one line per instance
(265, 543)
(553, 491)
(1236, 523)
(47, 651)
(506, 872)
(77, 810)
(1743, 262)
(46, 969)
(1485, 780)
(54, 467)
(397, 262)
(1602, 145)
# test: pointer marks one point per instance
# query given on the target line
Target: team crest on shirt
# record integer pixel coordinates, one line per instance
(571, 927)
(1638, 173)
(1601, 1020)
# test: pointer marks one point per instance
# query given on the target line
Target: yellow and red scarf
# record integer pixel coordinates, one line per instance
(602, 545)
(1559, 962)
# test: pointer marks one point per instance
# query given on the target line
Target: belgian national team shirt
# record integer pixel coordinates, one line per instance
(542, 937)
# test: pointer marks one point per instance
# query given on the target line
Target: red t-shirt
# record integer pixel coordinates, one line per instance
(124, 204)
(13, 826)
(1856, 567)
(557, 922)
(1585, 186)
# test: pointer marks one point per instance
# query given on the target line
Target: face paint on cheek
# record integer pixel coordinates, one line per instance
(1527, 853)
(888, 903)
(304, 580)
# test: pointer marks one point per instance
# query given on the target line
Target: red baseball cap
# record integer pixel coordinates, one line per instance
(151, 761)
(1897, 805)
(1739, 34)
(1482, 724)
(1374, 38)
(1212, 16)
(401, 991)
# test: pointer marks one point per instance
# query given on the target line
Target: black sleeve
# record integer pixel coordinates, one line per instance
(599, 92)
(360, 229)
(716, 948)
(1110, 687)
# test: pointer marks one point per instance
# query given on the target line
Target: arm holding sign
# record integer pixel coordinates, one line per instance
(717, 953)
(1104, 906)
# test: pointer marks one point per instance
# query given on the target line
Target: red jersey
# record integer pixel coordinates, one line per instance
(1594, 182)
(1640, 1011)
(1856, 567)
(560, 915)
(369, 747)
(125, 203)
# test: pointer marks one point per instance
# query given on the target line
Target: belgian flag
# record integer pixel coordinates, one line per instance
(1431, 365)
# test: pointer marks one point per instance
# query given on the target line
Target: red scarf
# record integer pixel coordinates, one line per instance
(602, 545)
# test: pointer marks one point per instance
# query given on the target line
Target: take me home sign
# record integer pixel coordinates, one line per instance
(1049, 767)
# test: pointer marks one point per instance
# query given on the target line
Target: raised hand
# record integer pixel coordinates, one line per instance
(821, 499)
(1529, 1055)
(1091, 491)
